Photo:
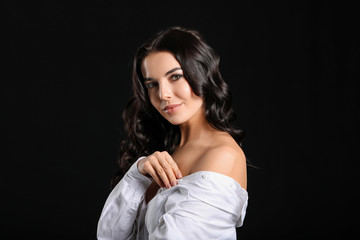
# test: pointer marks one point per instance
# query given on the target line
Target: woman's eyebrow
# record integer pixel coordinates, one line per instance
(148, 79)
(167, 73)
(172, 70)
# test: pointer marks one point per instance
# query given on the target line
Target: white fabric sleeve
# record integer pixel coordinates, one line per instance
(120, 210)
(194, 219)
(204, 205)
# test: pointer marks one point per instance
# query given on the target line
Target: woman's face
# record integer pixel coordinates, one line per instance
(168, 90)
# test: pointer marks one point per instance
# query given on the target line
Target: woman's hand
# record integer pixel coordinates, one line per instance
(161, 167)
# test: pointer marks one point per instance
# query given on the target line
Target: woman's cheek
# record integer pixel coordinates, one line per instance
(185, 90)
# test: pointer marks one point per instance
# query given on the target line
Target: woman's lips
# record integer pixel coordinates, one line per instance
(172, 108)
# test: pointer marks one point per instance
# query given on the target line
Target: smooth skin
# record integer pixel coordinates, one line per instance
(201, 148)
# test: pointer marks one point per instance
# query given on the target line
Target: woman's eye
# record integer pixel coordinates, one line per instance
(176, 77)
(150, 84)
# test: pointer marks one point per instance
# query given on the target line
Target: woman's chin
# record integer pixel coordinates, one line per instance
(175, 121)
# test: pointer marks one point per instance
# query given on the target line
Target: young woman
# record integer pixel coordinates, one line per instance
(184, 170)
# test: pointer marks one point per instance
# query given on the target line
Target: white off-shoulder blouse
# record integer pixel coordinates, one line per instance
(204, 205)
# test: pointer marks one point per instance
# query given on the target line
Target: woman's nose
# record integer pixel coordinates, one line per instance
(164, 91)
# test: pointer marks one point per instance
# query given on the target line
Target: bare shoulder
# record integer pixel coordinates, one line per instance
(226, 157)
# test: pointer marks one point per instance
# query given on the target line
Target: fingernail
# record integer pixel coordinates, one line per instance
(179, 175)
(168, 186)
(174, 183)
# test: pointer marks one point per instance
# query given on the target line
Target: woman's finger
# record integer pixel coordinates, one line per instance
(162, 167)
(152, 172)
(168, 171)
(173, 165)
(162, 173)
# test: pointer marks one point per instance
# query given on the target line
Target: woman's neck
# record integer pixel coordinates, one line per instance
(196, 129)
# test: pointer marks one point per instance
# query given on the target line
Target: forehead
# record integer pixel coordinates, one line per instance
(156, 64)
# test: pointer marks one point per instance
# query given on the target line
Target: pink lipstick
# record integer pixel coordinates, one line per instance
(172, 108)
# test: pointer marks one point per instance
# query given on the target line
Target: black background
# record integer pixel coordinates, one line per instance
(292, 67)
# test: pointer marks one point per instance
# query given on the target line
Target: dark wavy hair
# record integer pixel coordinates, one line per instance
(146, 131)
